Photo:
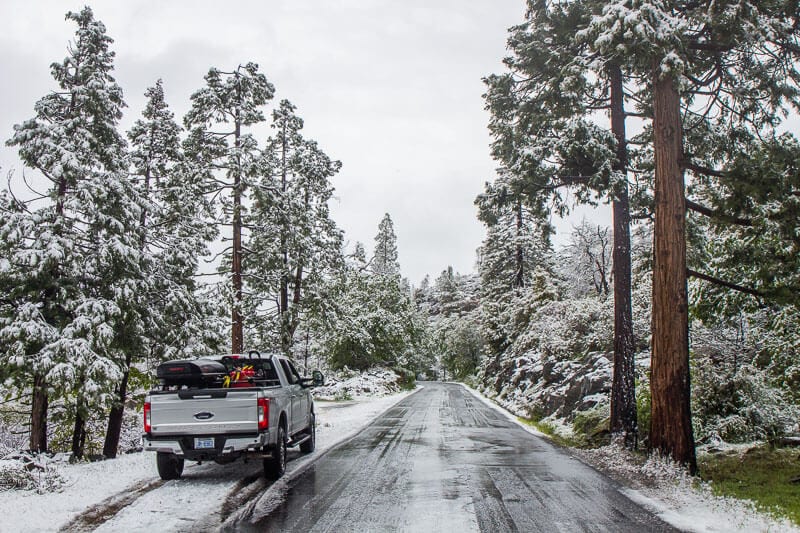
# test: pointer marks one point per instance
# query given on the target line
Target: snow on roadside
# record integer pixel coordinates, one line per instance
(667, 491)
(348, 384)
(177, 504)
(84, 485)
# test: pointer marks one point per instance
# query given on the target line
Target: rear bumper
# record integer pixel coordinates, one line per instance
(224, 445)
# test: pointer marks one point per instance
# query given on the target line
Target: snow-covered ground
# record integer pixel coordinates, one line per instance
(348, 384)
(125, 494)
(669, 492)
(124, 487)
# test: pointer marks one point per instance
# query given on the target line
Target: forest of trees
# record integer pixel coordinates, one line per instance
(710, 172)
(119, 250)
(170, 241)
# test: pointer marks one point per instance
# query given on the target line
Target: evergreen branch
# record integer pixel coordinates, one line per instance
(708, 46)
(688, 165)
(727, 284)
(28, 185)
(217, 256)
(707, 211)
(567, 181)
(17, 201)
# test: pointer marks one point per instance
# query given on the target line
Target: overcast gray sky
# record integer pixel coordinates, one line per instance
(391, 88)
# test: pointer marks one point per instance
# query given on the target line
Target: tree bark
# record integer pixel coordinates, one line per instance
(519, 281)
(671, 421)
(623, 387)
(38, 437)
(237, 325)
(78, 435)
(114, 429)
(286, 341)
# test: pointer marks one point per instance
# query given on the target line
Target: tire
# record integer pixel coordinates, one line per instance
(309, 445)
(275, 466)
(170, 466)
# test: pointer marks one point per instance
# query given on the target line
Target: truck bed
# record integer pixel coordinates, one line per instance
(206, 411)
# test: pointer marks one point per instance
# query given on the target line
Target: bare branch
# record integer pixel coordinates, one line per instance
(727, 284)
(707, 211)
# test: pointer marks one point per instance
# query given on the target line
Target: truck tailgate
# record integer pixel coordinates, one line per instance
(204, 412)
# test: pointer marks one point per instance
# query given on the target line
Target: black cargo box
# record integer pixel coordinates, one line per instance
(194, 373)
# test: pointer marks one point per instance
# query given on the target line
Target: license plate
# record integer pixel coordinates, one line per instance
(202, 444)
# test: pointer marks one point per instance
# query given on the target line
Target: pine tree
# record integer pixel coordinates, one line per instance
(295, 242)
(174, 231)
(715, 72)
(511, 256)
(81, 262)
(546, 142)
(384, 259)
(230, 102)
(374, 320)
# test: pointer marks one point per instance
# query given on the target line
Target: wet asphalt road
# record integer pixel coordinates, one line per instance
(442, 460)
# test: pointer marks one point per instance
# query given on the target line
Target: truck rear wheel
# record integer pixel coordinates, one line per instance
(170, 466)
(309, 445)
(275, 466)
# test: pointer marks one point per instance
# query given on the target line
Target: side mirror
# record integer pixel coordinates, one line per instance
(317, 379)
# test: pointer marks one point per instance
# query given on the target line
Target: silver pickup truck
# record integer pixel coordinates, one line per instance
(223, 408)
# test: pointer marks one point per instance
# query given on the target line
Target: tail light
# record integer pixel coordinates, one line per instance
(147, 417)
(263, 413)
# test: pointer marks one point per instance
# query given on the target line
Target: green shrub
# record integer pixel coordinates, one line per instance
(406, 380)
(342, 395)
(591, 427)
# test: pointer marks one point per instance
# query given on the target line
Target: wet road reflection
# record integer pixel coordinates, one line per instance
(441, 460)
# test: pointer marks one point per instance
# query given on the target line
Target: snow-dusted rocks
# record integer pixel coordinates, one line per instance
(538, 388)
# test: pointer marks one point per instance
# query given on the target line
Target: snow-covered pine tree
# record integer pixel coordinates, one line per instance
(227, 158)
(455, 323)
(717, 79)
(513, 253)
(384, 257)
(374, 319)
(546, 142)
(78, 262)
(174, 231)
(295, 243)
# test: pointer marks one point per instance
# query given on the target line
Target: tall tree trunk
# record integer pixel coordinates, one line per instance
(671, 421)
(39, 405)
(623, 388)
(237, 325)
(117, 413)
(519, 281)
(286, 341)
(38, 437)
(78, 434)
(114, 429)
(298, 284)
